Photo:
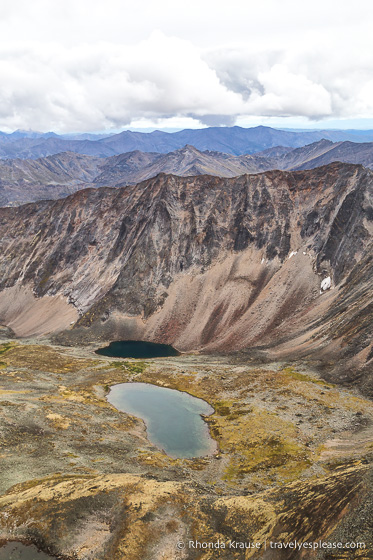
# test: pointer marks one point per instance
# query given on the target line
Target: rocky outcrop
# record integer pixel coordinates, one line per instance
(207, 263)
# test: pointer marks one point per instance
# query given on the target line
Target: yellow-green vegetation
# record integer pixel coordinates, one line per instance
(130, 367)
(74, 395)
(222, 408)
(5, 347)
(339, 464)
(44, 358)
(292, 374)
(156, 459)
(161, 460)
(258, 440)
(57, 476)
(289, 381)
(266, 421)
(231, 409)
(10, 392)
(202, 388)
(59, 422)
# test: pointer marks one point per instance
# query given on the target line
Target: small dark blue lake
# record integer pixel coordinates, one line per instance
(137, 349)
(20, 551)
(173, 418)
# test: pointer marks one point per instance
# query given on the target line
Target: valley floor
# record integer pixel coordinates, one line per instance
(81, 480)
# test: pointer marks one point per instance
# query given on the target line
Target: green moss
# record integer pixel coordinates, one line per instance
(44, 358)
(131, 367)
(290, 372)
(259, 443)
(5, 347)
(277, 457)
(137, 367)
(222, 408)
(118, 365)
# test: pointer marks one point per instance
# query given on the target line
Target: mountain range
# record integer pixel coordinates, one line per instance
(278, 262)
(59, 175)
(232, 140)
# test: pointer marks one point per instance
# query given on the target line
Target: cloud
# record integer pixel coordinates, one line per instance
(314, 81)
(215, 120)
(86, 67)
(285, 93)
(91, 87)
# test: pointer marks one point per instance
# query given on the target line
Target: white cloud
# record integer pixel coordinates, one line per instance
(286, 93)
(91, 65)
(90, 87)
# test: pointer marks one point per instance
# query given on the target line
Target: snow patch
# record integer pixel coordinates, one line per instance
(325, 284)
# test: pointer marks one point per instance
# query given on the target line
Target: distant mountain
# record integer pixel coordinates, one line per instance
(317, 154)
(46, 178)
(232, 140)
(57, 176)
(187, 161)
(18, 134)
(33, 148)
(324, 152)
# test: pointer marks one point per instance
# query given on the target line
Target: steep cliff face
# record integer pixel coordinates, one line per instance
(202, 263)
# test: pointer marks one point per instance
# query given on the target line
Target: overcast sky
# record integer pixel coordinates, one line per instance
(89, 65)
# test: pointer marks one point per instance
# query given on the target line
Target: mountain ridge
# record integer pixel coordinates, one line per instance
(59, 175)
(203, 263)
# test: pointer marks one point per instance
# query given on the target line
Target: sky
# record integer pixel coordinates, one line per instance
(89, 65)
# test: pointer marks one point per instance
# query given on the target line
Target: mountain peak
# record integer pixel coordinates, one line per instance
(189, 148)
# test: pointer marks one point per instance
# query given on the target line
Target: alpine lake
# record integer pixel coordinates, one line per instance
(173, 418)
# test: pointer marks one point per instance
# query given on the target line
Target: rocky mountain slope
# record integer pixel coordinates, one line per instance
(203, 263)
(62, 174)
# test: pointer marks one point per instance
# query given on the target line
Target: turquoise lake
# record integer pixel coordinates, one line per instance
(137, 349)
(172, 417)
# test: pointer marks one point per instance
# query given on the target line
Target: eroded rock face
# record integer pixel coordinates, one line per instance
(207, 263)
